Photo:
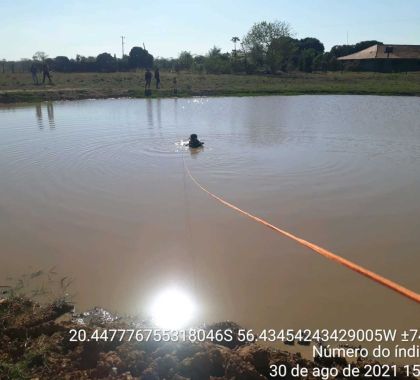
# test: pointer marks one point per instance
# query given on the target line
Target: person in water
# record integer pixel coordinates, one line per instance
(195, 142)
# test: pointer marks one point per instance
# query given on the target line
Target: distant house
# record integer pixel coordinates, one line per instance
(385, 58)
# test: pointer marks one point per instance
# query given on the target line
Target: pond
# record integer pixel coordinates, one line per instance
(97, 191)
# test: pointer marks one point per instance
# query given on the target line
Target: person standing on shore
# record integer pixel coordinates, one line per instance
(34, 72)
(46, 73)
(148, 79)
(157, 77)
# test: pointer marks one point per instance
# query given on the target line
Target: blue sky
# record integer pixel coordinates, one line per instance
(90, 27)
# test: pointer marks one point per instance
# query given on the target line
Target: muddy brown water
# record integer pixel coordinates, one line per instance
(98, 189)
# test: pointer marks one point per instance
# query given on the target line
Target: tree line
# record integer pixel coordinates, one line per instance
(268, 47)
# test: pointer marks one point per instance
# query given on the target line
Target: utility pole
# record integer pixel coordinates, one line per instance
(122, 46)
(347, 38)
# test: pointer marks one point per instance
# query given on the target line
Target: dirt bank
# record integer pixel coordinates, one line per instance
(35, 344)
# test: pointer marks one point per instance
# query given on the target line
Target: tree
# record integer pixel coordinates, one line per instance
(263, 33)
(216, 62)
(329, 62)
(235, 40)
(140, 58)
(88, 64)
(199, 62)
(257, 55)
(123, 64)
(306, 60)
(260, 41)
(106, 62)
(185, 60)
(61, 63)
(311, 43)
(165, 63)
(40, 56)
(280, 53)
(321, 62)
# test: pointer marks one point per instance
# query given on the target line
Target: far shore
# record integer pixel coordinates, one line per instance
(19, 88)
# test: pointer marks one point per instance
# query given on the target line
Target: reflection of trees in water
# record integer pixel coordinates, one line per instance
(270, 121)
(50, 113)
(264, 124)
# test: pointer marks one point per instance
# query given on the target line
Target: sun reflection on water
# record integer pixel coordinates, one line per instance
(173, 308)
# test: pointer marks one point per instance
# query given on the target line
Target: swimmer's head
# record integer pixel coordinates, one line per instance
(193, 137)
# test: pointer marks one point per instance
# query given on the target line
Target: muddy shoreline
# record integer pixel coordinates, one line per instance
(35, 344)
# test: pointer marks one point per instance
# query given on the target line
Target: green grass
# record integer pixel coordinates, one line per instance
(18, 87)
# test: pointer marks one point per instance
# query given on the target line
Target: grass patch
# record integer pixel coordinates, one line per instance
(19, 87)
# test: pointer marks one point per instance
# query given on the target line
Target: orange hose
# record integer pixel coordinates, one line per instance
(322, 251)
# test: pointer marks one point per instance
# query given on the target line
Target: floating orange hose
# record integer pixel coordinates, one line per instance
(322, 251)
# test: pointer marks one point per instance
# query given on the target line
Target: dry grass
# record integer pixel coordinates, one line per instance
(19, 88)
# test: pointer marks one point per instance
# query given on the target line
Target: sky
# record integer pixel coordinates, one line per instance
(91, 27)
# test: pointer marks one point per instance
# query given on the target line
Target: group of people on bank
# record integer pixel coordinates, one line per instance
(148, 76)
(45, 70)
